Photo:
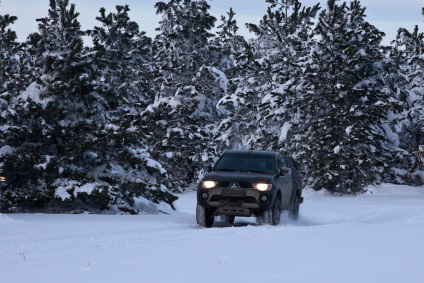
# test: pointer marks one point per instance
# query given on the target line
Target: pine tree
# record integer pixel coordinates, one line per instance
(341, 137)
(8, 49)
(233, 54)
(187, 89)
(122, 56)
(228, 48)
(408, 51)
(51, 123)
(271, 78)
(13, 62)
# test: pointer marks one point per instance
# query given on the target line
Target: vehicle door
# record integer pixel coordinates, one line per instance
(297, 180)
(285, 181)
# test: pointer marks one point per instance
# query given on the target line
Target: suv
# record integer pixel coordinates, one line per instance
(249, 182)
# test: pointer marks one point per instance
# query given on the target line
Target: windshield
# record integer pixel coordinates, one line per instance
(246, 162)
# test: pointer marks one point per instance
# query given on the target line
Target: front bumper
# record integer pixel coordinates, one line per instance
(238, 202)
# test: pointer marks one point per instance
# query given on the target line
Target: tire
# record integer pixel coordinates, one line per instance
(204, 217)
(294, 208)
(228, 219)
(272, 215)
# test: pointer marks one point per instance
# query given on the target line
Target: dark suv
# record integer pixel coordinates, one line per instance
(249, 182)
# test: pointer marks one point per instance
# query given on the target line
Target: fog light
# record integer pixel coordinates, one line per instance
(205, 195)
(263, 198)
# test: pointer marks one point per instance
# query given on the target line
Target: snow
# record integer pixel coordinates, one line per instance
(374, 237)
(349, 130)
(63, 186)
(284, 131)
(337, 149)
(154, 164)
(6, 150)
(32, 93)
(62, 191)
(44, 165)
(393, 137)
(221, 78)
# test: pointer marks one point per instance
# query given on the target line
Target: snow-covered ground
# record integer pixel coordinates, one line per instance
(375, 237)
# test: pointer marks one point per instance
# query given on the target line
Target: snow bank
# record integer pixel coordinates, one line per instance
(392, 190)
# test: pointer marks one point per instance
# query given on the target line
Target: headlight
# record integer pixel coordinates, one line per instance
(262, 187)
(2, 179)
(208, 184)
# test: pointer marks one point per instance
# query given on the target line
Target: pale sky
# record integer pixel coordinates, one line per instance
(386, 15)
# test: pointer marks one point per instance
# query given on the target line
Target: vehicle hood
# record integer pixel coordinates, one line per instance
(239, 176)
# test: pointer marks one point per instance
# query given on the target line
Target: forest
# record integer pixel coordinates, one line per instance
(131, 119)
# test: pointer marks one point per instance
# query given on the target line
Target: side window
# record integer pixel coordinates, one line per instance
(281, 162)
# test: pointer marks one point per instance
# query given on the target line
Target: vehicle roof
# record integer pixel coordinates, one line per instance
(253, 152)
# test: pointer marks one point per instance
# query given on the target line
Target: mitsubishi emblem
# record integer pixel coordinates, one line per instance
(233, 186)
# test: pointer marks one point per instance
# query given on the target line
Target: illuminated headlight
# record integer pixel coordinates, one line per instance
(2, 179)
(262, 187)
(208, 184)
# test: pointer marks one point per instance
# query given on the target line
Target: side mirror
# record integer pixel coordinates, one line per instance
(207, 167)
(285, 171)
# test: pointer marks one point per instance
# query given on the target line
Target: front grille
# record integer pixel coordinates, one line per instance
(229, 199)
(223, 184)
(243, 185)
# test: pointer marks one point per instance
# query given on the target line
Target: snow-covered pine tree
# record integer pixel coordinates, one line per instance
(229, 51)
(408, 51)
(228, 48)
(284, 39)
(187, 90)
(51, 124)
(122, 56)
(260, 118)
(9, 48)
(10, 51)
(341, 138)
(14, 67)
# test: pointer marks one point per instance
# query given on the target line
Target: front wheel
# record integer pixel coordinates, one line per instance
(204, 216)
(272, 215)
